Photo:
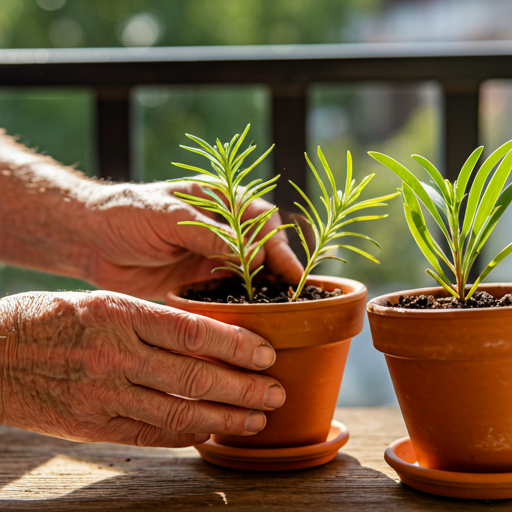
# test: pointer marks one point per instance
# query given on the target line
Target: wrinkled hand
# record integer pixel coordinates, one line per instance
(107, 367)
(139, 249)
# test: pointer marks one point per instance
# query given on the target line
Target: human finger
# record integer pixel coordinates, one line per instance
(200, 379)
(179, 331)
(181, 416)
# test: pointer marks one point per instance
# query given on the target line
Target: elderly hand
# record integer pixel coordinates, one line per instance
(102, 366)
(138, 247)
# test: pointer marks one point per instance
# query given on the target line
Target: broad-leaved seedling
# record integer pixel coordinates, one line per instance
(338, 206)
(225, 195)
(466, 234)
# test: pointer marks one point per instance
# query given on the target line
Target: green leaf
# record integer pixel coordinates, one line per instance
(191, 168)
(239, 143)
(318, 179)
(502, 204)
(259, 160)
(441, 204)
(414, 183)
(465, 173)
(346, 233)
(202, 143)
(348, 181)
(328, 171)
(492, 192)
(311, 222)
(302, 239)
(256, 271)
(310, 204)
(357, 191)
(360, 219)
(420, 233)
(445, 284)
(213, 160)
(259, 227)
(363, 253)
(435, 175)
(492, 265)
(478, 185)
(267, 237)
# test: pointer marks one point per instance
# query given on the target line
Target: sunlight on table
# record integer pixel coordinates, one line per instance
(44, 482)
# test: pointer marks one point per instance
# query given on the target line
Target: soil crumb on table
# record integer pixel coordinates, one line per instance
(232, 291)
(478, 300)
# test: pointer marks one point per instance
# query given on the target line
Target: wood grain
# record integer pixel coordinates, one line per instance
(43, 473)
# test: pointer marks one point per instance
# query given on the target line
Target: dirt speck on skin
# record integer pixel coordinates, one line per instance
(478, 300)
(231, 290)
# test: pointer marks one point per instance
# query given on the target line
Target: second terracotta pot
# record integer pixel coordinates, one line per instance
(452, 373)
(312, 340)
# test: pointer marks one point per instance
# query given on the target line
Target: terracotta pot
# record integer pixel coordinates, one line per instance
(312, 340)
(452, 373)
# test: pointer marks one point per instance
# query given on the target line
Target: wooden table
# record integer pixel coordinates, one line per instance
(42, 473)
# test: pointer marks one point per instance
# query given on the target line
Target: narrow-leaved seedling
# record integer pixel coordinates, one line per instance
(466, 235)
(338, 207)
(225, 195)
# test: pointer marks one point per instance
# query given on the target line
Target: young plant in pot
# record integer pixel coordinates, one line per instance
(311, 337)
(449, 348)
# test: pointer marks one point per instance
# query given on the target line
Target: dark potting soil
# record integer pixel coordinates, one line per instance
(231, 290)
(478, 300)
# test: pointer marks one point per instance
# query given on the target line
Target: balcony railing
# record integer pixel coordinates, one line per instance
(459, 68)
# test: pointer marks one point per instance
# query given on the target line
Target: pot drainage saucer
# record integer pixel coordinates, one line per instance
(276, 459)
(472, 486)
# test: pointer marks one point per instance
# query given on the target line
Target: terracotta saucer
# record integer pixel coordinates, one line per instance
(471, 486)
(276, 459)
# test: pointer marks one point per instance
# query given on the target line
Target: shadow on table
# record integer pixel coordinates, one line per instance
(156, 481)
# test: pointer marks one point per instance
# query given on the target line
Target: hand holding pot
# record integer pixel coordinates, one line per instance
(102, 366)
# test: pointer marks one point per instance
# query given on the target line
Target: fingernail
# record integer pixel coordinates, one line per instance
(274, 397)
(264, 357)
(255, 422)
(201, 438)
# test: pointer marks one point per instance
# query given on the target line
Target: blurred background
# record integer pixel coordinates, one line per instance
(398, 120)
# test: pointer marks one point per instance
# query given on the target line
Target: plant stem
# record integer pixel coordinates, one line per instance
(457, 255)
(305, 275)
(238, 231)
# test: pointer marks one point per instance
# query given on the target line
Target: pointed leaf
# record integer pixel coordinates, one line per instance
(465, 173)
(239, 143)
(446, 285)
(478, 185)
(420, 233)
(492, 191)
(363, 253)
(414, 183)
(435, 175)
(319, 181)
(492, 265)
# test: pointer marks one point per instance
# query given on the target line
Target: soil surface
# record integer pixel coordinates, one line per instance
(231, 290)
(478, 300)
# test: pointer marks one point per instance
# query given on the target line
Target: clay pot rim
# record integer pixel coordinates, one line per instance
(376, 305)
(358, 291)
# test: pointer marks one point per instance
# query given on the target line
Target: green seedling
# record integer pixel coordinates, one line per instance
(338, 207)
(465, 234)
(225, 195)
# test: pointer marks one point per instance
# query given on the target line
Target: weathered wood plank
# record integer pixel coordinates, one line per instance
(40, 473)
